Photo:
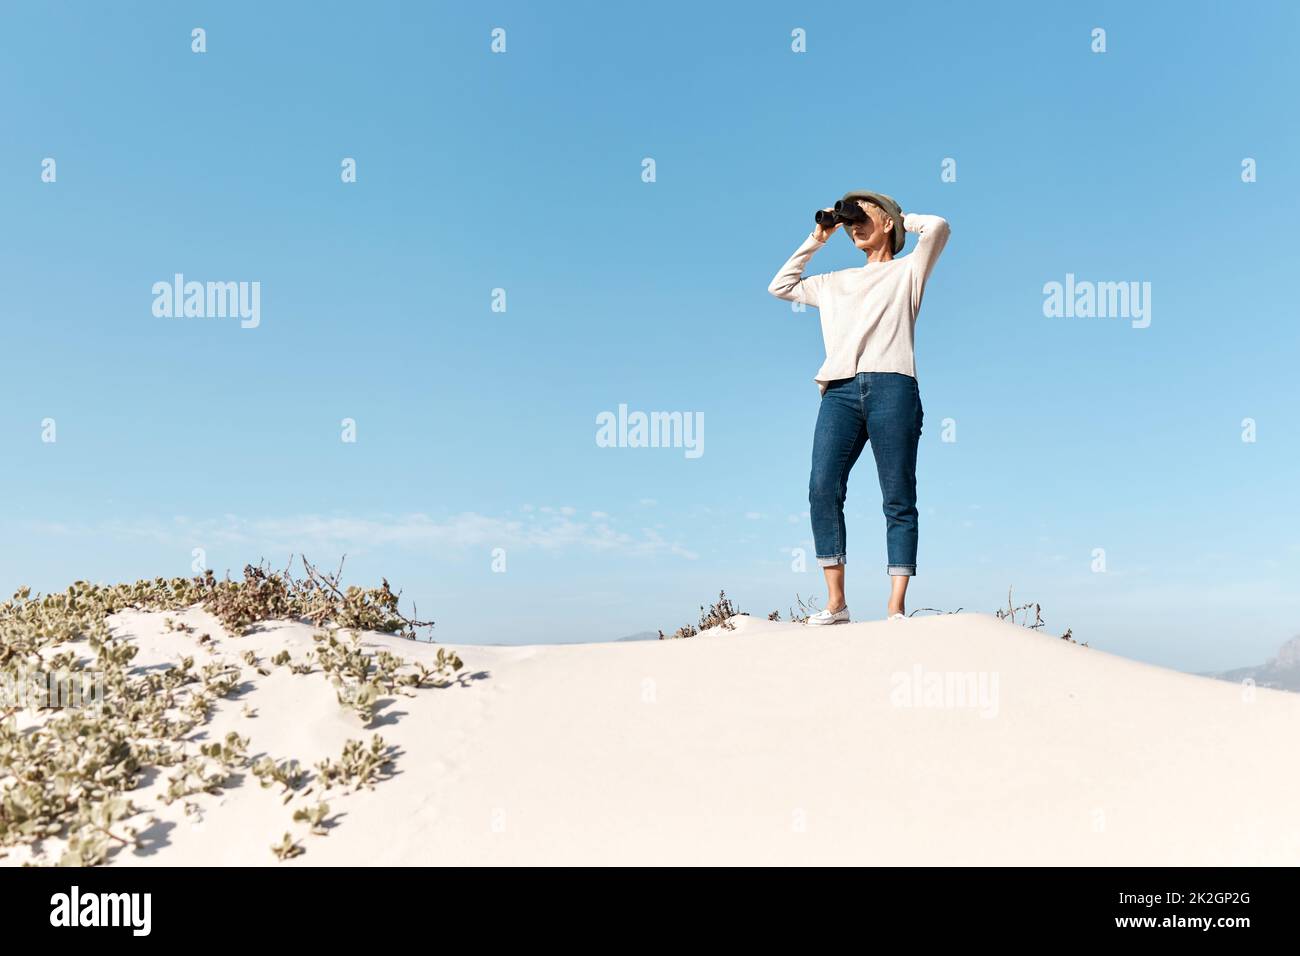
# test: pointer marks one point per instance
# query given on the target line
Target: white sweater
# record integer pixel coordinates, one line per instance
(868, 313)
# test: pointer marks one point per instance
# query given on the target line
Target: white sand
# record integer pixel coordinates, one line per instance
(773, 743)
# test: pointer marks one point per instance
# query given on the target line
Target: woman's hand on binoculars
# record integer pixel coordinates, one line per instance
(824, 232)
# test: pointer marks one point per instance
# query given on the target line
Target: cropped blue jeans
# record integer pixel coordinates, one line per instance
(885, 409)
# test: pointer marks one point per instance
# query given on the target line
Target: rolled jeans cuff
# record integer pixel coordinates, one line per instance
(831, 561)
(901, 569)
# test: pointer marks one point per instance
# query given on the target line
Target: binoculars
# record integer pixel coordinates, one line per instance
(846, 210)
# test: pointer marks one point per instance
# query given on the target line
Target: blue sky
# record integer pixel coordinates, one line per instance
(522, 171)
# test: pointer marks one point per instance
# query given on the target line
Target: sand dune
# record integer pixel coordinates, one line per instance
(768, 744)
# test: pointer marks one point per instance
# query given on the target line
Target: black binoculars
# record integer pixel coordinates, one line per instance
(846, 210)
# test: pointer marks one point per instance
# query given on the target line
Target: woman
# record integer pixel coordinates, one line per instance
(868, 383)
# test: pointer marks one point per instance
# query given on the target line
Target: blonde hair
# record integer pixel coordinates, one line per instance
(876, 212)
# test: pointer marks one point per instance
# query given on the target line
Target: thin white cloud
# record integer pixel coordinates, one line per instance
(557, 529)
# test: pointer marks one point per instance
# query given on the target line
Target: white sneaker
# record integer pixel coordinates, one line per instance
(897, 617)
(830, 617)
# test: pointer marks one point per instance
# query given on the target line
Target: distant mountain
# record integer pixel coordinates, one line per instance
(639, 636)
(1280, 673)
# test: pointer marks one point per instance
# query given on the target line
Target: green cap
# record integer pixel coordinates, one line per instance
(888, 204)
